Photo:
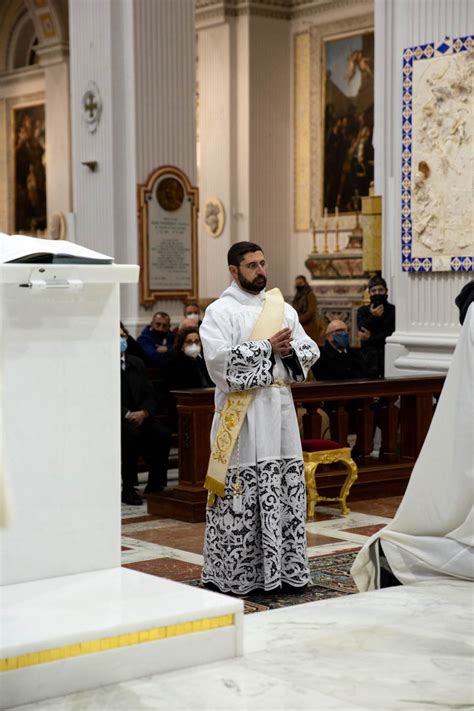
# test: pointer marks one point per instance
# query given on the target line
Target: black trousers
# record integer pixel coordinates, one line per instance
(152, 440)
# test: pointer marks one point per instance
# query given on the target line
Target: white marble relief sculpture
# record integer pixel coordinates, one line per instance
(438, 168)
(442, 140)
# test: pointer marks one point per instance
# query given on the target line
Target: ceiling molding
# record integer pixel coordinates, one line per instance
(219, 10)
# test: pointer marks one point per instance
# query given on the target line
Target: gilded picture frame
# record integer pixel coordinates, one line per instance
(28, 131)
(168, 206)
(321, 36)
(348, 119)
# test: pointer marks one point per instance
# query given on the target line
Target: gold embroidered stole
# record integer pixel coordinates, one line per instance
(235, 409)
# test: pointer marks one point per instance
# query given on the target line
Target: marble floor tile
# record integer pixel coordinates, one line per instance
(167, 568)
(401, 649)
(155, 524)
(366, 530)
(314, 539)
(137, 519)
(142, 550)
(188, 538)
(386, 506)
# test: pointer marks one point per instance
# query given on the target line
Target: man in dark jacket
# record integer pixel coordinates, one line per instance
(156, 341)
(375, 323)
(140, 430)
(337, 360)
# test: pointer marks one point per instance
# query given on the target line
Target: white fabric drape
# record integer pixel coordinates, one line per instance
(432, 534)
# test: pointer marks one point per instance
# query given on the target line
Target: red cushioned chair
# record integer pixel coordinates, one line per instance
(326, 451)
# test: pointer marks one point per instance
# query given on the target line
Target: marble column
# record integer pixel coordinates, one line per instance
(54, 61)
(244, 135)
(141, 56)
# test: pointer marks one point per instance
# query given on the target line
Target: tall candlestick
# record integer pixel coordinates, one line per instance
(313, 229)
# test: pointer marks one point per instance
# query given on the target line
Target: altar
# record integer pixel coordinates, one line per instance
(72, 617)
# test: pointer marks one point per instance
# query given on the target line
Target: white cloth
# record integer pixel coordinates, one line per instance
(432, 534)
(266, 543)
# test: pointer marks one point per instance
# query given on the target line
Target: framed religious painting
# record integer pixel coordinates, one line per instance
(29, 169)
(167, 213)
(437, 185)
(348, 119)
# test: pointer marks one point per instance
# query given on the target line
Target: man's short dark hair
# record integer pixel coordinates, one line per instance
(377, 281)
(163, 314)
(238, 251)
(190, 303)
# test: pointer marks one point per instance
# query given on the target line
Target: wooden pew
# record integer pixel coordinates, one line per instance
(405, 409)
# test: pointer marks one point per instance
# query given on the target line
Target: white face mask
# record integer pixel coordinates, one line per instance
(193, 317)
(193, 350)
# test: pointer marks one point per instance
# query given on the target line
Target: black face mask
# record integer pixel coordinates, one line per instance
(299, 288)
(378, 299)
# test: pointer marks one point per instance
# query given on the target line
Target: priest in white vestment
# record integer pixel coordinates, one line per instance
(432, 534)
(254, 349)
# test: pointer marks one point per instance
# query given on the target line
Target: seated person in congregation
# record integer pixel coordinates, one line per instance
(337, 360)
(133, 349)
(191, 316)
(375, 323)
(156, 341)
(188, 368)
(141, 432)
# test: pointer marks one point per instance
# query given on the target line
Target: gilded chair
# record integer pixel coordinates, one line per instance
(326, 451)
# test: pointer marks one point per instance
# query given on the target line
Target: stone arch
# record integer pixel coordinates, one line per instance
(21, 21)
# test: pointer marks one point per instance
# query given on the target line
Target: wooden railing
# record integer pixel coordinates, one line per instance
(401, 407)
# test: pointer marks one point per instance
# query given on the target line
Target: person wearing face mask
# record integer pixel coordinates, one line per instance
(141, 432)
(191, 317)
(305, 305)
(375, 323)
(188, 369)
(338, 361)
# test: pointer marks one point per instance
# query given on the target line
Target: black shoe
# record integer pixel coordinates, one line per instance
(132, 498)
(153, 489)
(293, 589)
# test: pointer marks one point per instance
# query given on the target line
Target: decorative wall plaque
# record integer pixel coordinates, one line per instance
(91, 104)
(437, 195)
(167, 215)
(214, 216)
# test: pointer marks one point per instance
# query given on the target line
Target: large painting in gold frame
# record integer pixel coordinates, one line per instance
(29, 168)
(348, 119)
(320, 35)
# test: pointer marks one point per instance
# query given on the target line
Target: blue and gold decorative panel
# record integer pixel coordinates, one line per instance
(437, 186)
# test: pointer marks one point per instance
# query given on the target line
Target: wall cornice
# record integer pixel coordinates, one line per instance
(211, 11)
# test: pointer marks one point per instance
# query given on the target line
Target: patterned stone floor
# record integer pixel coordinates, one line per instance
(173, 549)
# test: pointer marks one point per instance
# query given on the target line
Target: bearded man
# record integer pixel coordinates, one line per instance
(254, 347)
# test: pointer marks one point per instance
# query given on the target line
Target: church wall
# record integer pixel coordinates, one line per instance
(427, 319)
(146, 78)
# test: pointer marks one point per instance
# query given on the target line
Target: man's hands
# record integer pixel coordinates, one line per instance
(162, 349)
(137, 418)
(280, 342)
(377, 310)
(364, 334)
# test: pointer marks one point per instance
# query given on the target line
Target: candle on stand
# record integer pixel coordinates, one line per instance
(313, 230)
(337, 229)
(325, 230)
